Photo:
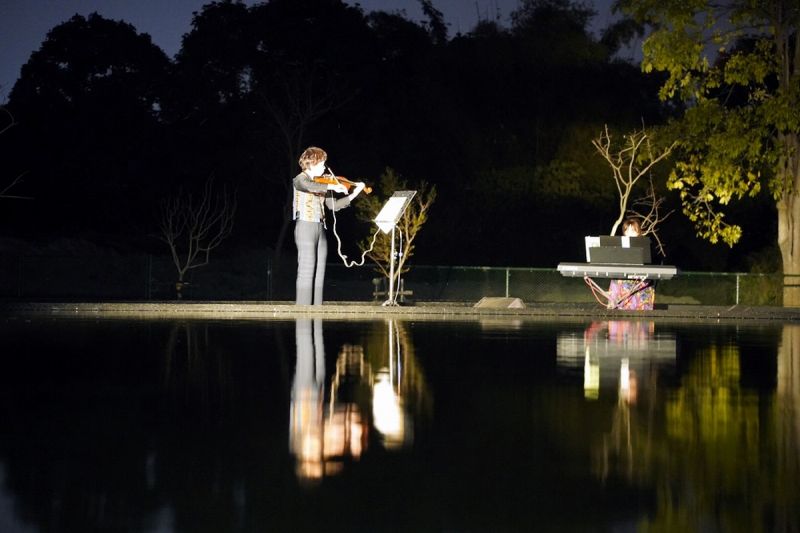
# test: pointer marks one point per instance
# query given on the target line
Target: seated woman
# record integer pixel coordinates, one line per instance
(631, 294)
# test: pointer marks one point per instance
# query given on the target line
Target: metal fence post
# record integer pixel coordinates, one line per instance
(149, 270)
(20, 270)
(508, 276)
(269, 277)
(737, 288)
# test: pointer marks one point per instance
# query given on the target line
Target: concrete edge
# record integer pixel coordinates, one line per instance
(349, 310)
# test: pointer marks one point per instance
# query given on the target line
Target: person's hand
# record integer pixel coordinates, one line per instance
(357, 189)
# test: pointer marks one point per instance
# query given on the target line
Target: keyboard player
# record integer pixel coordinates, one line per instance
(631, 294)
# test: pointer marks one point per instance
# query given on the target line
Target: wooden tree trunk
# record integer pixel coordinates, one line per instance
(788, 233)
(789, 225)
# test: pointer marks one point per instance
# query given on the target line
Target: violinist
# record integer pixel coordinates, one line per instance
(308, 212)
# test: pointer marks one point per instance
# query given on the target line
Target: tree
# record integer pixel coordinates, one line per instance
(379, 250)
(293, 107)
(629, 163)
(296, 84)
(213, 66)
(10, 121)
(87, 102)
(436, 25)
(4, 189)
(192, 229)
(735, 67)
(557, 31)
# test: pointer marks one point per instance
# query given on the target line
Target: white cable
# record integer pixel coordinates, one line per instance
(339, 246)
(339, 240)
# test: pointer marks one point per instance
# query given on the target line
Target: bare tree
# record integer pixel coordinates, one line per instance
(192, 228)
(629, 162)
(647, 210)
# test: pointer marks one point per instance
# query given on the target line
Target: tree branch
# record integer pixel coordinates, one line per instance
(192, 230)
(629, 163)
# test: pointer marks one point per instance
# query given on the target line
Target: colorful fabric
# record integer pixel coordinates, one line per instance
(631, 294)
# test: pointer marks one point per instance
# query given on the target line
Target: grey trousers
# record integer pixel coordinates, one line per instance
(312, 253)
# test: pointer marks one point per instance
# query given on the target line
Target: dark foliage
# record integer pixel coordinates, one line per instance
(108, 125)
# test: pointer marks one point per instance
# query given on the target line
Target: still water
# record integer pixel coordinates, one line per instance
(311, 425)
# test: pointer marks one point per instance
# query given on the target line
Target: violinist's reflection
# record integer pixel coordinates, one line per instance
(328, 428)
(323, 436)
(305, 416)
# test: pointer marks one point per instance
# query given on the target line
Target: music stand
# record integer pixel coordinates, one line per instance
(386, 220)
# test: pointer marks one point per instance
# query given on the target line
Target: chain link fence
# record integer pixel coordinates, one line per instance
(257, 275)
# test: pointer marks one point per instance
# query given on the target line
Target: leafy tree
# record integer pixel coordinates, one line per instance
(735, 67)
(254, 84)
(88, 59)
(312, 55)
(378, 248)
(211, 118)
(213, 66)
(436, 24)
(87, 103)
(557, 31)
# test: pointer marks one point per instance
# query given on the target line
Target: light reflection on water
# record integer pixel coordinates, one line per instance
(329, 420)
(391, 425)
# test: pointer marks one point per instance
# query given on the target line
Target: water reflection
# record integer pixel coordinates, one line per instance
(719, 449)
(720, 457)
(786, 416)
(305, 417)
(193, 367)
(116, 426)
(624, 356)
(391, 419)
(614, 353)
(330, 428)
(323, 437)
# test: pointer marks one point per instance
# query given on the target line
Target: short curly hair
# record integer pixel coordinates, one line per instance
(311, 156)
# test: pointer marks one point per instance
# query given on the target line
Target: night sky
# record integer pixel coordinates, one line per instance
(24, 23)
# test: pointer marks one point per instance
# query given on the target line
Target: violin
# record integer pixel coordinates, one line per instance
(330, 179)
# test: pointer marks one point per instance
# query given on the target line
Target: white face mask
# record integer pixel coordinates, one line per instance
(316, 170)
